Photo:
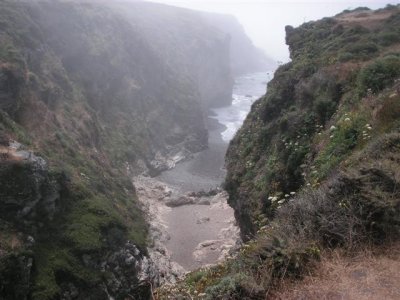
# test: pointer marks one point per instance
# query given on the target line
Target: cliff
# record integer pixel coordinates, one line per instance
(190, 46)
(209, 49)
(245, 57)
(88, 98)
(325, 106)
(313, 173)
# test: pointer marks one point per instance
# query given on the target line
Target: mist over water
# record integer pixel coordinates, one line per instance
(264, 20)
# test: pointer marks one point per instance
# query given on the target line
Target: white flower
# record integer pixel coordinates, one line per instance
(287, 195)
(332, 128)
(292, 193)
(347, 119)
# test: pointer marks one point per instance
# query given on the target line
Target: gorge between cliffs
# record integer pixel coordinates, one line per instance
(154, 152)
(191, 224)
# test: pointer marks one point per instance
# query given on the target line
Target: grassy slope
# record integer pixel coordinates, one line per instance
(337, 71)
(57, 122)
(82, 89)
(316, 164)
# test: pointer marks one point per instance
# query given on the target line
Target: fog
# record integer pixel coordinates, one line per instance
(264, 21)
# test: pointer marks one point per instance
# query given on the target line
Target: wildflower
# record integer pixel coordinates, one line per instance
(332, 128)
(292, 193)
(286, 196)
(347, 119)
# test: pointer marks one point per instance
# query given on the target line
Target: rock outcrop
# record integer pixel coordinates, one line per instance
(90, 94)
(244, 56)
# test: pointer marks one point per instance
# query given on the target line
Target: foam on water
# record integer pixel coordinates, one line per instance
(247, 89)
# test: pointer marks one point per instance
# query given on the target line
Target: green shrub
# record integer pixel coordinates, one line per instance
(388, 38)
(378, 75)
(362, 49)
(324, 109)
(346, 56)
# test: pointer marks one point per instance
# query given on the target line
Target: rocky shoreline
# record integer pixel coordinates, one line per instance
(162, 204)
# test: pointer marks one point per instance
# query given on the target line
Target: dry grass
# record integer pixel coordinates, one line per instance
(367, 19)
(369, 275)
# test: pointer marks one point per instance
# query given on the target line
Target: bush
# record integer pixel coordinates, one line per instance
(324, 109)
(346, 56)
(379, 74)
(363, 49)
(388, 38)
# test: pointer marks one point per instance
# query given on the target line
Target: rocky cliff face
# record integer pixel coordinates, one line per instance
(245, 57)
(337, 96)
(87, 98)
(190, 46)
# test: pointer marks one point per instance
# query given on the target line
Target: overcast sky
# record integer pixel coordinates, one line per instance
(265, 20)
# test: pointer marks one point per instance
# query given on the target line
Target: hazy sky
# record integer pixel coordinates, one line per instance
(265, 20)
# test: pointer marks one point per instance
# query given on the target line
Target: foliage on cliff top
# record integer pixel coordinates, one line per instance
(316, 164)
(325, 104)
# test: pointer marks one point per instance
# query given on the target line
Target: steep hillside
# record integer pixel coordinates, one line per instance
(85, 102)
(192, 48)
(314, 171)
(207, 48)
(337, 97)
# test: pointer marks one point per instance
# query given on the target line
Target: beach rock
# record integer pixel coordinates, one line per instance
(203, 220)
(183, 200)
(204, 202)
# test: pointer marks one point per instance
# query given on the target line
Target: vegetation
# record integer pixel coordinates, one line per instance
(88, 97)
(316, 165)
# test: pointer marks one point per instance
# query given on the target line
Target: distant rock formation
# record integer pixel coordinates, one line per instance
(245, 57)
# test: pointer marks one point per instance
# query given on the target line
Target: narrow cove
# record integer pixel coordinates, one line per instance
(191, 224)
